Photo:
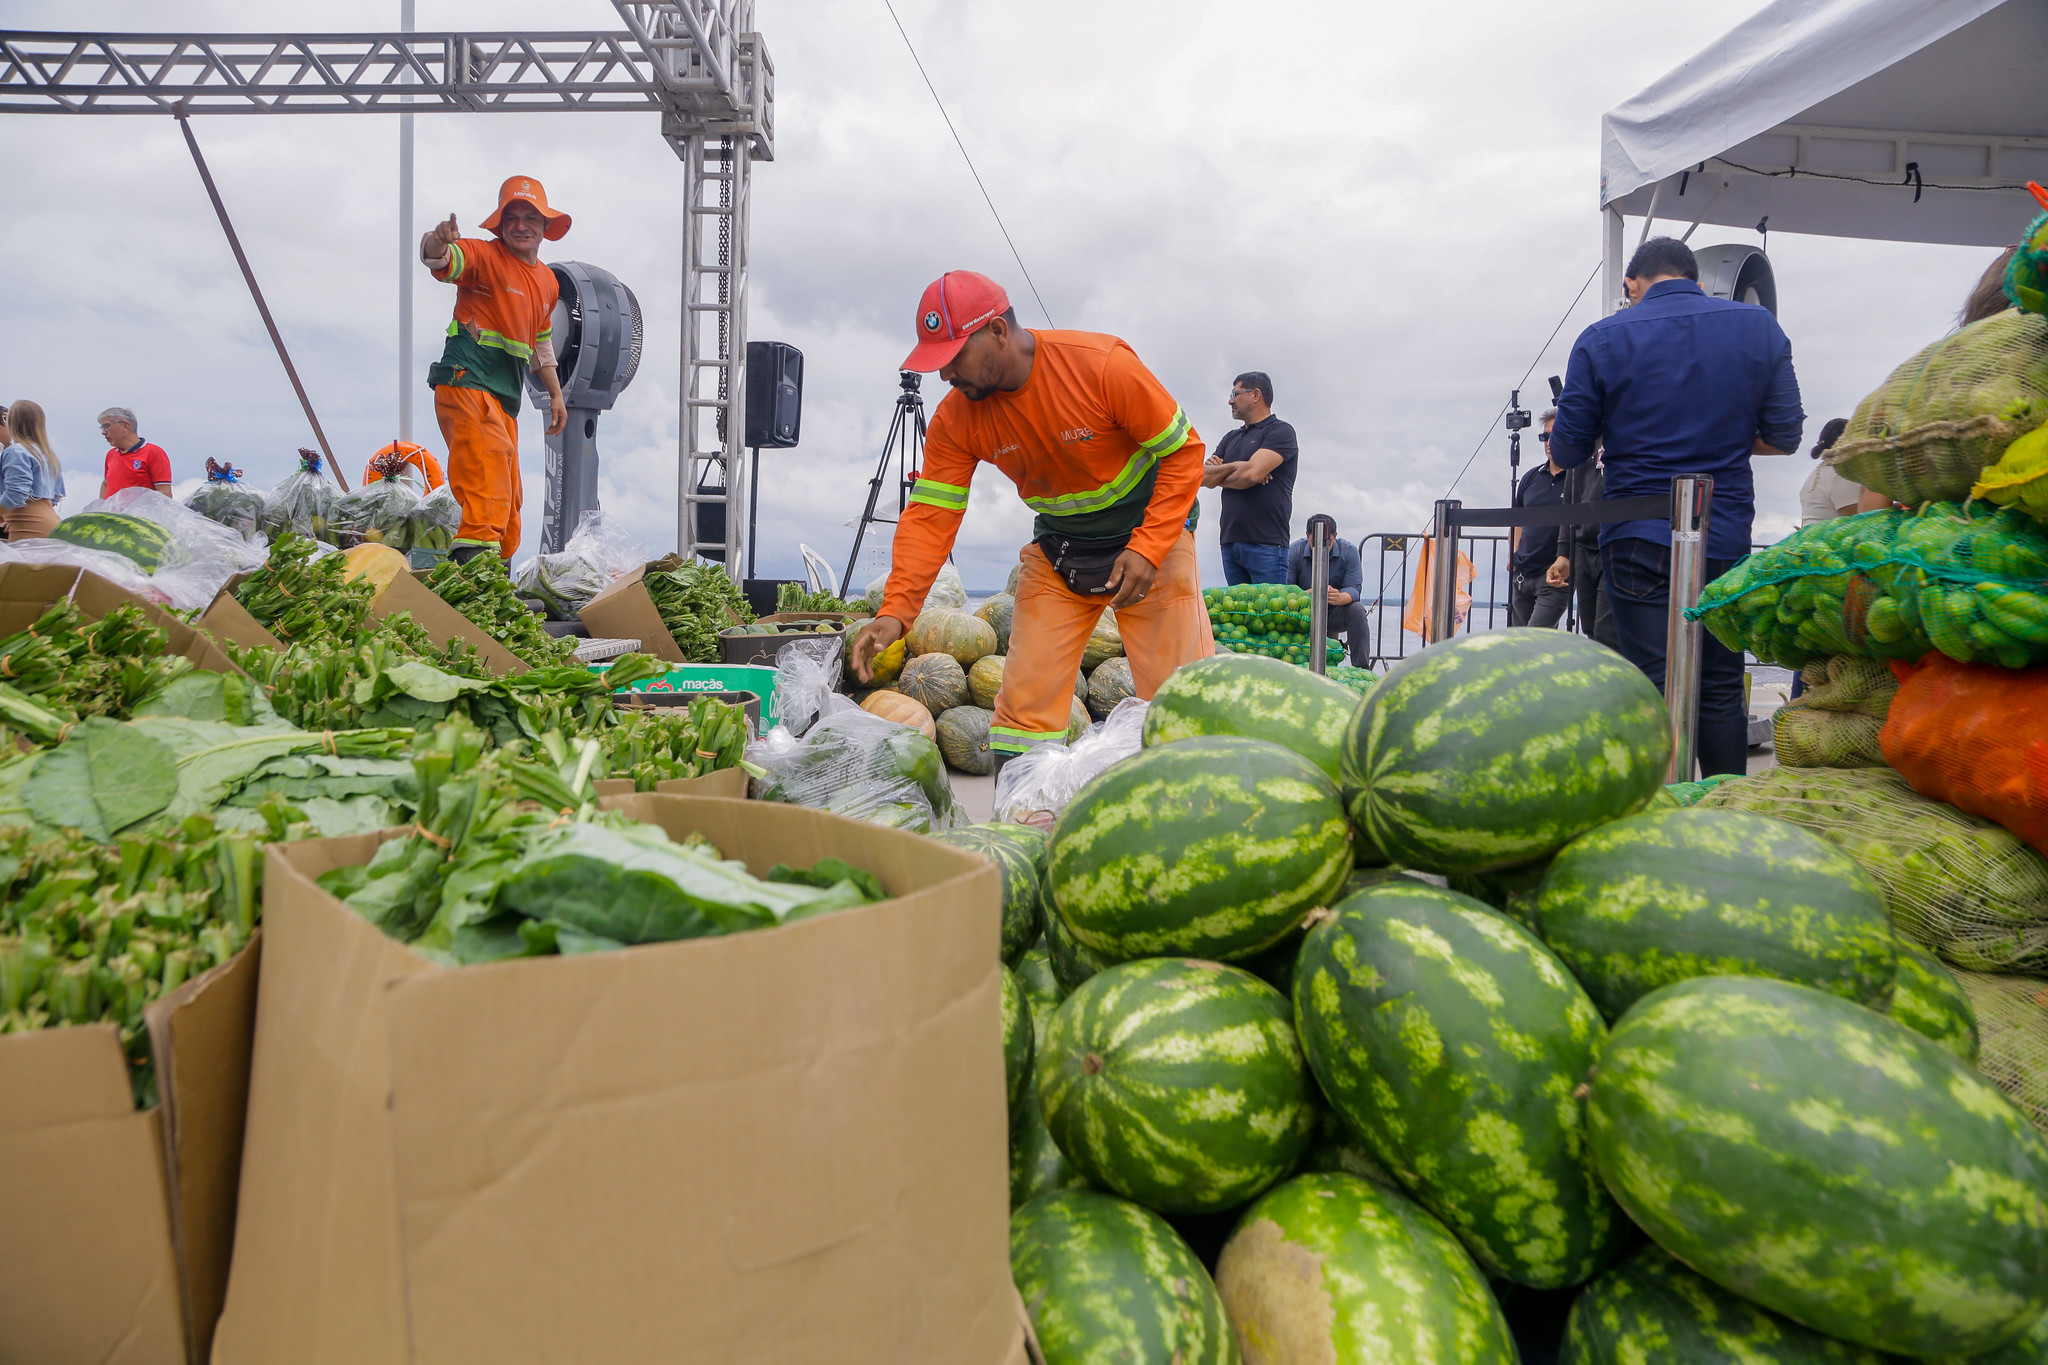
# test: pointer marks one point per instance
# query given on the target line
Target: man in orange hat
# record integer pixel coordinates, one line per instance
(1105, 456)
(504, 302)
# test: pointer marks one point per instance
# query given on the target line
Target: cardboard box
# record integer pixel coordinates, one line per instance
(230, 620)
(624, 611)
(716, 678)
(28, 590)
(730, 783)
(116, 1227)
(227, 619)
(760, 649)
(774, 1148)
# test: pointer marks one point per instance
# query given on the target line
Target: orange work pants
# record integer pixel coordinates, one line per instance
(1049, 632)
(483, 466)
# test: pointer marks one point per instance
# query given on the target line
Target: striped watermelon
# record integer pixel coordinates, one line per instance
(1852, 1175)
(1036, 1164)
(1334, 1268)
(1336, 1149)
(1042, 990)
(1650, 1307)
(1496, 749)
(1072, 961)
(1259, 698)
(1018, 851)
(1930, 1001)
(1109, 1283)
(2030, 1349)
(141, 540)
(1212, 847)
(1177, 1083)
(1671, 894)
(1017, 1042)
(1451, 1040)
(1510, 890)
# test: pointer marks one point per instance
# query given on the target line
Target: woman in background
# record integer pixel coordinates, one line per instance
(31, 480)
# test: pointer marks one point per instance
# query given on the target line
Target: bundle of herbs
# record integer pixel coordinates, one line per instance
(794, 597)
(301, 594)
(509, 857)
(696, 601)
(481, 590)
(93, 931)
(658, 744)
(64, 668)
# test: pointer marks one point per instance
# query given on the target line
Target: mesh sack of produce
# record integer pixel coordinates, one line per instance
(1689, 793)
(1972, 582)
(1961, 886)
(1818, 592)
(377, 513)
(1809, 737)
(2012, 1037)
(224, 498)
(301, 502)
(1261, 608)
(1950, 411)
(1976, 737)
(1843, 682)
(2020, 478)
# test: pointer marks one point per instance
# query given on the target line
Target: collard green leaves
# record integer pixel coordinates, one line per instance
(105, 778)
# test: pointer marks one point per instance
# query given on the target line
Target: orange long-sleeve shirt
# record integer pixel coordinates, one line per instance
(1093, 441)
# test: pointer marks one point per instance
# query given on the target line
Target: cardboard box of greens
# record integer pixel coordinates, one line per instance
(230, 620)
(783, 1147)
(28, 590)
(116, 1226)
(730, 783)
(624, 611)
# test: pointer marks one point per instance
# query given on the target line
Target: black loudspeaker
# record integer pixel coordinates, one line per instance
(775, 394)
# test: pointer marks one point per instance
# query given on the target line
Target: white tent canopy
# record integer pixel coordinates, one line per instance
(1904, 120)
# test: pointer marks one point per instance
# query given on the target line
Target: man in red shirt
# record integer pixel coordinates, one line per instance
(1101, 452)
(504, 309)
(131, 461)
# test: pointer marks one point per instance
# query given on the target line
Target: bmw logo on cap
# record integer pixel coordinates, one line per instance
(931, 321)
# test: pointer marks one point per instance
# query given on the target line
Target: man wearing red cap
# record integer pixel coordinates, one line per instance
(1104, 456)
(504, 304)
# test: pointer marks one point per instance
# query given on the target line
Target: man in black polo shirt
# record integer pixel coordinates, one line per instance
(1534, 600)
(1254, 466)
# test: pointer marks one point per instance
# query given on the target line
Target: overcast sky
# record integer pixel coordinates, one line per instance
(1386, 207)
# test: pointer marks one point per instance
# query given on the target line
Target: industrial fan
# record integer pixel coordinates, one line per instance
(1741, 273)
(597, 334)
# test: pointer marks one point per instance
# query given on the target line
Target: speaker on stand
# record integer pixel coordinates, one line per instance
(775, 409)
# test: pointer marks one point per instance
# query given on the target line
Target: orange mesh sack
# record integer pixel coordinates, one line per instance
(1975, 736)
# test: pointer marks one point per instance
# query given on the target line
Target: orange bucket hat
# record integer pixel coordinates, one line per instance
(527, 188)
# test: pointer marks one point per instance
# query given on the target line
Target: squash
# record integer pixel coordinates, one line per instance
(1107, 642)
(1080, 686)
(887, 666)
(943, 630)
(1077, 720)
(1016, 573)
(998, 611)
(377, 563)
(1109, 684)
(893, 705)
(985, 679)
(936, 680)
(963, 739)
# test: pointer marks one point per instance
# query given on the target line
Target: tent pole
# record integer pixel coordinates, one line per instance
(1612, 262)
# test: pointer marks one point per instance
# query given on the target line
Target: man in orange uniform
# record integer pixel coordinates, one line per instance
(1099, 449)
(504, 305)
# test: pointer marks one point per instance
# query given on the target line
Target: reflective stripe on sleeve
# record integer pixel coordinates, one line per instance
(947, 496)
(456, 262)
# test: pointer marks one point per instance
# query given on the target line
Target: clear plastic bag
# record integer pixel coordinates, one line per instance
(224, 498)
(565, 581)
(1034, 787)
(302, 502)
(116, 569)
(806, 673)
(854, 764)
(433, 523)
(948, 590)
(203, 554)
(378, 513)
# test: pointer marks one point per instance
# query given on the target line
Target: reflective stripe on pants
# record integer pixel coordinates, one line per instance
(483, 466)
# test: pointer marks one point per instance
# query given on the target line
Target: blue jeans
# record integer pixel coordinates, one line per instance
(1245, 563)
(1637, 574)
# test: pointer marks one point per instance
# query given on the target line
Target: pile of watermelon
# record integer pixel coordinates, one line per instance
(1280, 1093)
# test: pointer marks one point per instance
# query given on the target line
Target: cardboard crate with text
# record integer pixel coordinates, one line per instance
(780, 1147)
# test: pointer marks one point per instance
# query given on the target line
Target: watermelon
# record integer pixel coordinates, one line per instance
(962, 734)
(1042, 990)
(139, 539)
(1109, 1283)
(2031, 1348)
(1257, 697)
(1109, 684)
(1018, 851)
(1650, 1307)
(1670, 894)
(1104, 643)
(1017, 1042)
(1213, 847)
(936, 682)
(1930, 1001)
(1335, 1268)
(1177, 1083)
(1072, 961)
(1848, 1173)
(1036, 1163)
(998, 611)
(1336, 1149)
(1450, 1040)
(1496, 749)
(985, 680)
(1510, 890)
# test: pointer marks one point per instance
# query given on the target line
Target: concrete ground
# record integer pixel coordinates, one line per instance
(975, 795)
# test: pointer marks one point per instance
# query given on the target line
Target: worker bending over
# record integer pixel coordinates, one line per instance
(504, 304)
(1099, 449)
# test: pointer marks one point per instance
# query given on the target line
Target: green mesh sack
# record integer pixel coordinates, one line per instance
(1972, 582)
(1689, 793)
(1258, 608)
(1959, 886)
(2012, 1033)
(1809, 596)
(1844, 682)
(1288, 646)
(1809, 737)
(1950, 411)
(1359, 680)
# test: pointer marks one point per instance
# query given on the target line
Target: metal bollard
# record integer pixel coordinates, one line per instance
(1692, 496)
(1320, 530)
(1443, 572)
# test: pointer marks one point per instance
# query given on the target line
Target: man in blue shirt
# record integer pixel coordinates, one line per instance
(1347, 615)
(1679, 384)
(1533, 600)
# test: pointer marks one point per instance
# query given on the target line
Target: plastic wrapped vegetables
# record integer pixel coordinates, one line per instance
(482, 591)
(302, 502)
(300, 594)
(226, 499)
(378, 513)
(862, 766)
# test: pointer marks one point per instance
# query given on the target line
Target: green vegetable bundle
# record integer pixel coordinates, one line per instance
(794, 597)
(658, 744)
(224, 498)
(301, 502)
(64, 668)
(481, 590)
(300, 594)
(93, 931)
(432, 523)
(377, 513)
(696, 601)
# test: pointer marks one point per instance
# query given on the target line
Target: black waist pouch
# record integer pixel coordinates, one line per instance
(1085, 564)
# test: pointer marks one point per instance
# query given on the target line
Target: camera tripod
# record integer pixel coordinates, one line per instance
(906, 442)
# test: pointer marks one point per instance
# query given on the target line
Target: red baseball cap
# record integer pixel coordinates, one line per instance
(953, 308)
